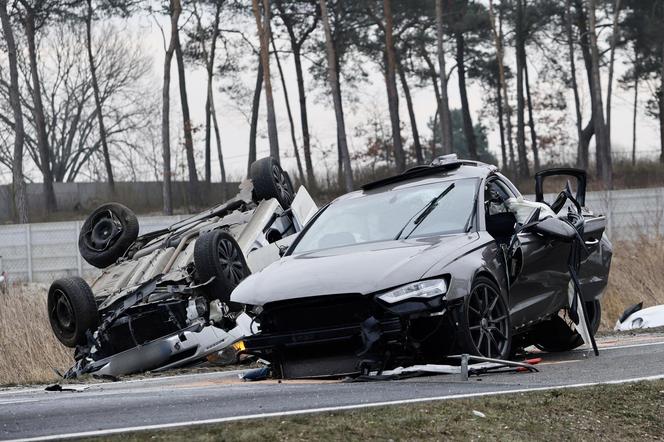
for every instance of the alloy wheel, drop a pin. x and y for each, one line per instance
(488, 321)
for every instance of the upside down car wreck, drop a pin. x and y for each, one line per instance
(442, 259)
(162, 299)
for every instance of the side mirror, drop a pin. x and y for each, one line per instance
(555, 228)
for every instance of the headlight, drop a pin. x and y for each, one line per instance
(421, 289)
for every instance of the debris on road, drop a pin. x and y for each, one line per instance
(636, 317)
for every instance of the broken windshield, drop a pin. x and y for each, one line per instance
(384, 216)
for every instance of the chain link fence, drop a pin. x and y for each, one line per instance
(46, 251)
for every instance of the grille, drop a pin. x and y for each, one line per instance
(315, 313)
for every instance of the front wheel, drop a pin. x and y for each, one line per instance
(483, 322)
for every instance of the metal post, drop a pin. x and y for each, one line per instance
(464, 367)
(28, 246)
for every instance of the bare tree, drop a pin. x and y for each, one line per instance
(520, 104)
(581, 156)
(263, 27)
(333, 78)
(392, 92)
(444, 105)
(296, 42)
(29, 18)
(255, 107)
(18, 183)
(614, 41)
(601, 137)
(174, 9)
(296, 150)
(95, 87)
(186, 120)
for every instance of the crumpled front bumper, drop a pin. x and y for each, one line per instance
(171, 351)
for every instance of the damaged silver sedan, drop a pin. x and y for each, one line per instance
(440, 260)
(162, 299)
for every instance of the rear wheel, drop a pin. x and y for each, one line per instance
(483, 322)
(217, 255)
(72, 310)
(270, 181)
(107, 234)
(556, 334)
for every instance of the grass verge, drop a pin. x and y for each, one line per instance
(613, 412)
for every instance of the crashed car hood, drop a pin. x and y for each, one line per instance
(360, 268)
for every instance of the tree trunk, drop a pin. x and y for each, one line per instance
(186, 120)
(210, 95)
(18, 184)
(255, 107)
(38, 114)
(95, 90)
(263, 26)
(391, 82)
(601, 139)
(296, 49)
(609, 87)
(289, 113)
(175, 10)
(468, 129)
(520, 104)
(444, 114)
(220, 155)
(501, 126)
(497, 32)
(584, 42)
(531, 120)
(436, 90)
(411, 115)
(581, 154)
(634, 115)
(333, 77)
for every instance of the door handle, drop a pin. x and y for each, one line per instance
(592, 242)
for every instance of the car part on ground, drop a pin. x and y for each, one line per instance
(636, 317)
(442, 259)
(164, 299)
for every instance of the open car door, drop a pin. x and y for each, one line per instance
(593, 274)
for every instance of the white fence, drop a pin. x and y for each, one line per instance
(46, 251)
(42, 252)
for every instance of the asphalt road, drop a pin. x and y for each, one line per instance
(217, 397)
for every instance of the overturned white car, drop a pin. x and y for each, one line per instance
(162, 299)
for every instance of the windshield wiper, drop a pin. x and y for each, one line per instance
(424, 212)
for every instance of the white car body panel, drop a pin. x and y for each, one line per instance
(646, 318)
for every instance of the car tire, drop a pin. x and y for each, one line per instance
(217, 255)
(483, 321)
(554, 335)
(72, 310)
(270, 181)
(107, 234)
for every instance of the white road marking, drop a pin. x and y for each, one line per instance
(327, 409)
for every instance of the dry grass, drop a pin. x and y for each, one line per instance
(30, 351)
(28, 348)
(637, 274)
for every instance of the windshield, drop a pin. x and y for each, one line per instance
(393, 214)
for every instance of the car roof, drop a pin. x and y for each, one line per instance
(433, 173)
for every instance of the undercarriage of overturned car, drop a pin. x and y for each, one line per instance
(441, 260)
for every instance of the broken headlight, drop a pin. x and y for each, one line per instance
(420, 289)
